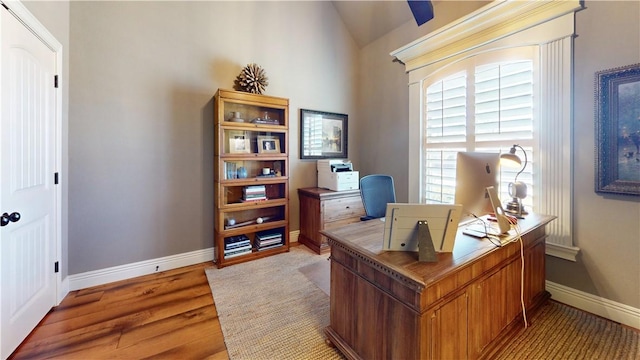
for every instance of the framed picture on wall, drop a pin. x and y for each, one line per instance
(323, 135)
(618, 130)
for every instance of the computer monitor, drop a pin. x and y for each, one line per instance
(401, 226)
(475, 171)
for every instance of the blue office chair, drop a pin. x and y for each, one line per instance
(376, 191)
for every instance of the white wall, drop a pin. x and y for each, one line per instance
(607, 228)
(143, 76)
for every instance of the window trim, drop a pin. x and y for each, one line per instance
(500, 25)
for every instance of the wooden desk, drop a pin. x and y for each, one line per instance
(387, 305)
(322, 209)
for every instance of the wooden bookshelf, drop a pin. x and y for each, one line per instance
(251, 179)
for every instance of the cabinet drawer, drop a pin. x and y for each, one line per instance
(336, 209)
(341, 222)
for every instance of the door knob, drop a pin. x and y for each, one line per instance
(14, 216)
(5, 219)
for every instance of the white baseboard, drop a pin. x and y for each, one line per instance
(127, 271)
(608, 309)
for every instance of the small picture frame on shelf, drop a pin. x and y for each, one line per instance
(268, 144)
(239, 144)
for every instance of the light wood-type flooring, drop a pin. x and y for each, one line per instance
(167, 315)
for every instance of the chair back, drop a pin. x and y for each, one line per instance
(377, 191)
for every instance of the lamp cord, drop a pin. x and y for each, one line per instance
(522, 273)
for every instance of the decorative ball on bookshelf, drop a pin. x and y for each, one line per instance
(252, 79)
(259, 220)
(231, 222)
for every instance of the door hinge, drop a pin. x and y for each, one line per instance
(56, 267)
(55, 81)
(55, 179)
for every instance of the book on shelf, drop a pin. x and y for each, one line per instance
(262, 244)
(237, 253)
(236, 241)
(254, 198)
(268, 239)
(266, 236)
(241, 249)
(262, 248)
(230, 170)
(266, 121)
(237, 245)
(254, 193)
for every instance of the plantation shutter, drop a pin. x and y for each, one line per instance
(500, 114)
(504, 102)
(446, 126)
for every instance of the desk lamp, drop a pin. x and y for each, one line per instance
(517, 189)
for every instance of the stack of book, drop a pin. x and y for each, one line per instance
(266, 121)
(236, 246)
(268, 240)
(254, 193)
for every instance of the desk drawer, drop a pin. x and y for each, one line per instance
(338, 209)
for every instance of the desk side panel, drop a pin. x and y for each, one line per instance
(342, 303)
(374, 324)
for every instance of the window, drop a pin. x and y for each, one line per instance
(546, 26)
(484, 107)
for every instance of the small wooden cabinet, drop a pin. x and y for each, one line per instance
(322, 209)
(251, 176)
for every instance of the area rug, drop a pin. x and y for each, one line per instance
(269, 309)
(562, 332)
(277, 308)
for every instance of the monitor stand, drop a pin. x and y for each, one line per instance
(426, 251)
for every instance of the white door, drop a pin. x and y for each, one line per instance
(27, 154)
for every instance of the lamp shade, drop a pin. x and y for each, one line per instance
(517, 189)
(511, 157)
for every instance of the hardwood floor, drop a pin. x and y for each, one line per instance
(167, 315)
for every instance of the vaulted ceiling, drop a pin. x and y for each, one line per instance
(369, 20)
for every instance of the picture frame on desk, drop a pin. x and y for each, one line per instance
(617, 93)
(323, 135)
